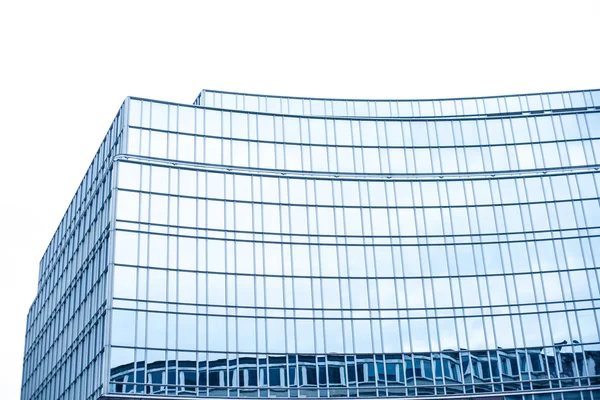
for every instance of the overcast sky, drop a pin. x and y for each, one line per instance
(65, 68)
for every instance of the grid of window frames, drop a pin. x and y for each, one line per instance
(64, 343)
(269, 255)
(346, 146)
(459, 107)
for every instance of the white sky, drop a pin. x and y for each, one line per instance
(65, 68)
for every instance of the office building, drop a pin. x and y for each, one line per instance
(264, 246)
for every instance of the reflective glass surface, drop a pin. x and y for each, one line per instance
(448, 108)
(229, 253)
(354, 146)
(274, 255)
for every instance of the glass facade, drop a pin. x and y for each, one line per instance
(215, 252)
(423, 108)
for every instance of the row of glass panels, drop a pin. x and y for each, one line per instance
(188, 183)
(158, 250)
(159, 116)
(223, 291)
(401, 108)
(251, 311)
(288, 239)
(355, 289)
(186, 331)
(394, 371)
(302, 220)
(366, 160)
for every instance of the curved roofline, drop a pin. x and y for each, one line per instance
(414, 99)
(470, 117)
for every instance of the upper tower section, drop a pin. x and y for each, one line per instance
(365, 146)
(406, 108)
